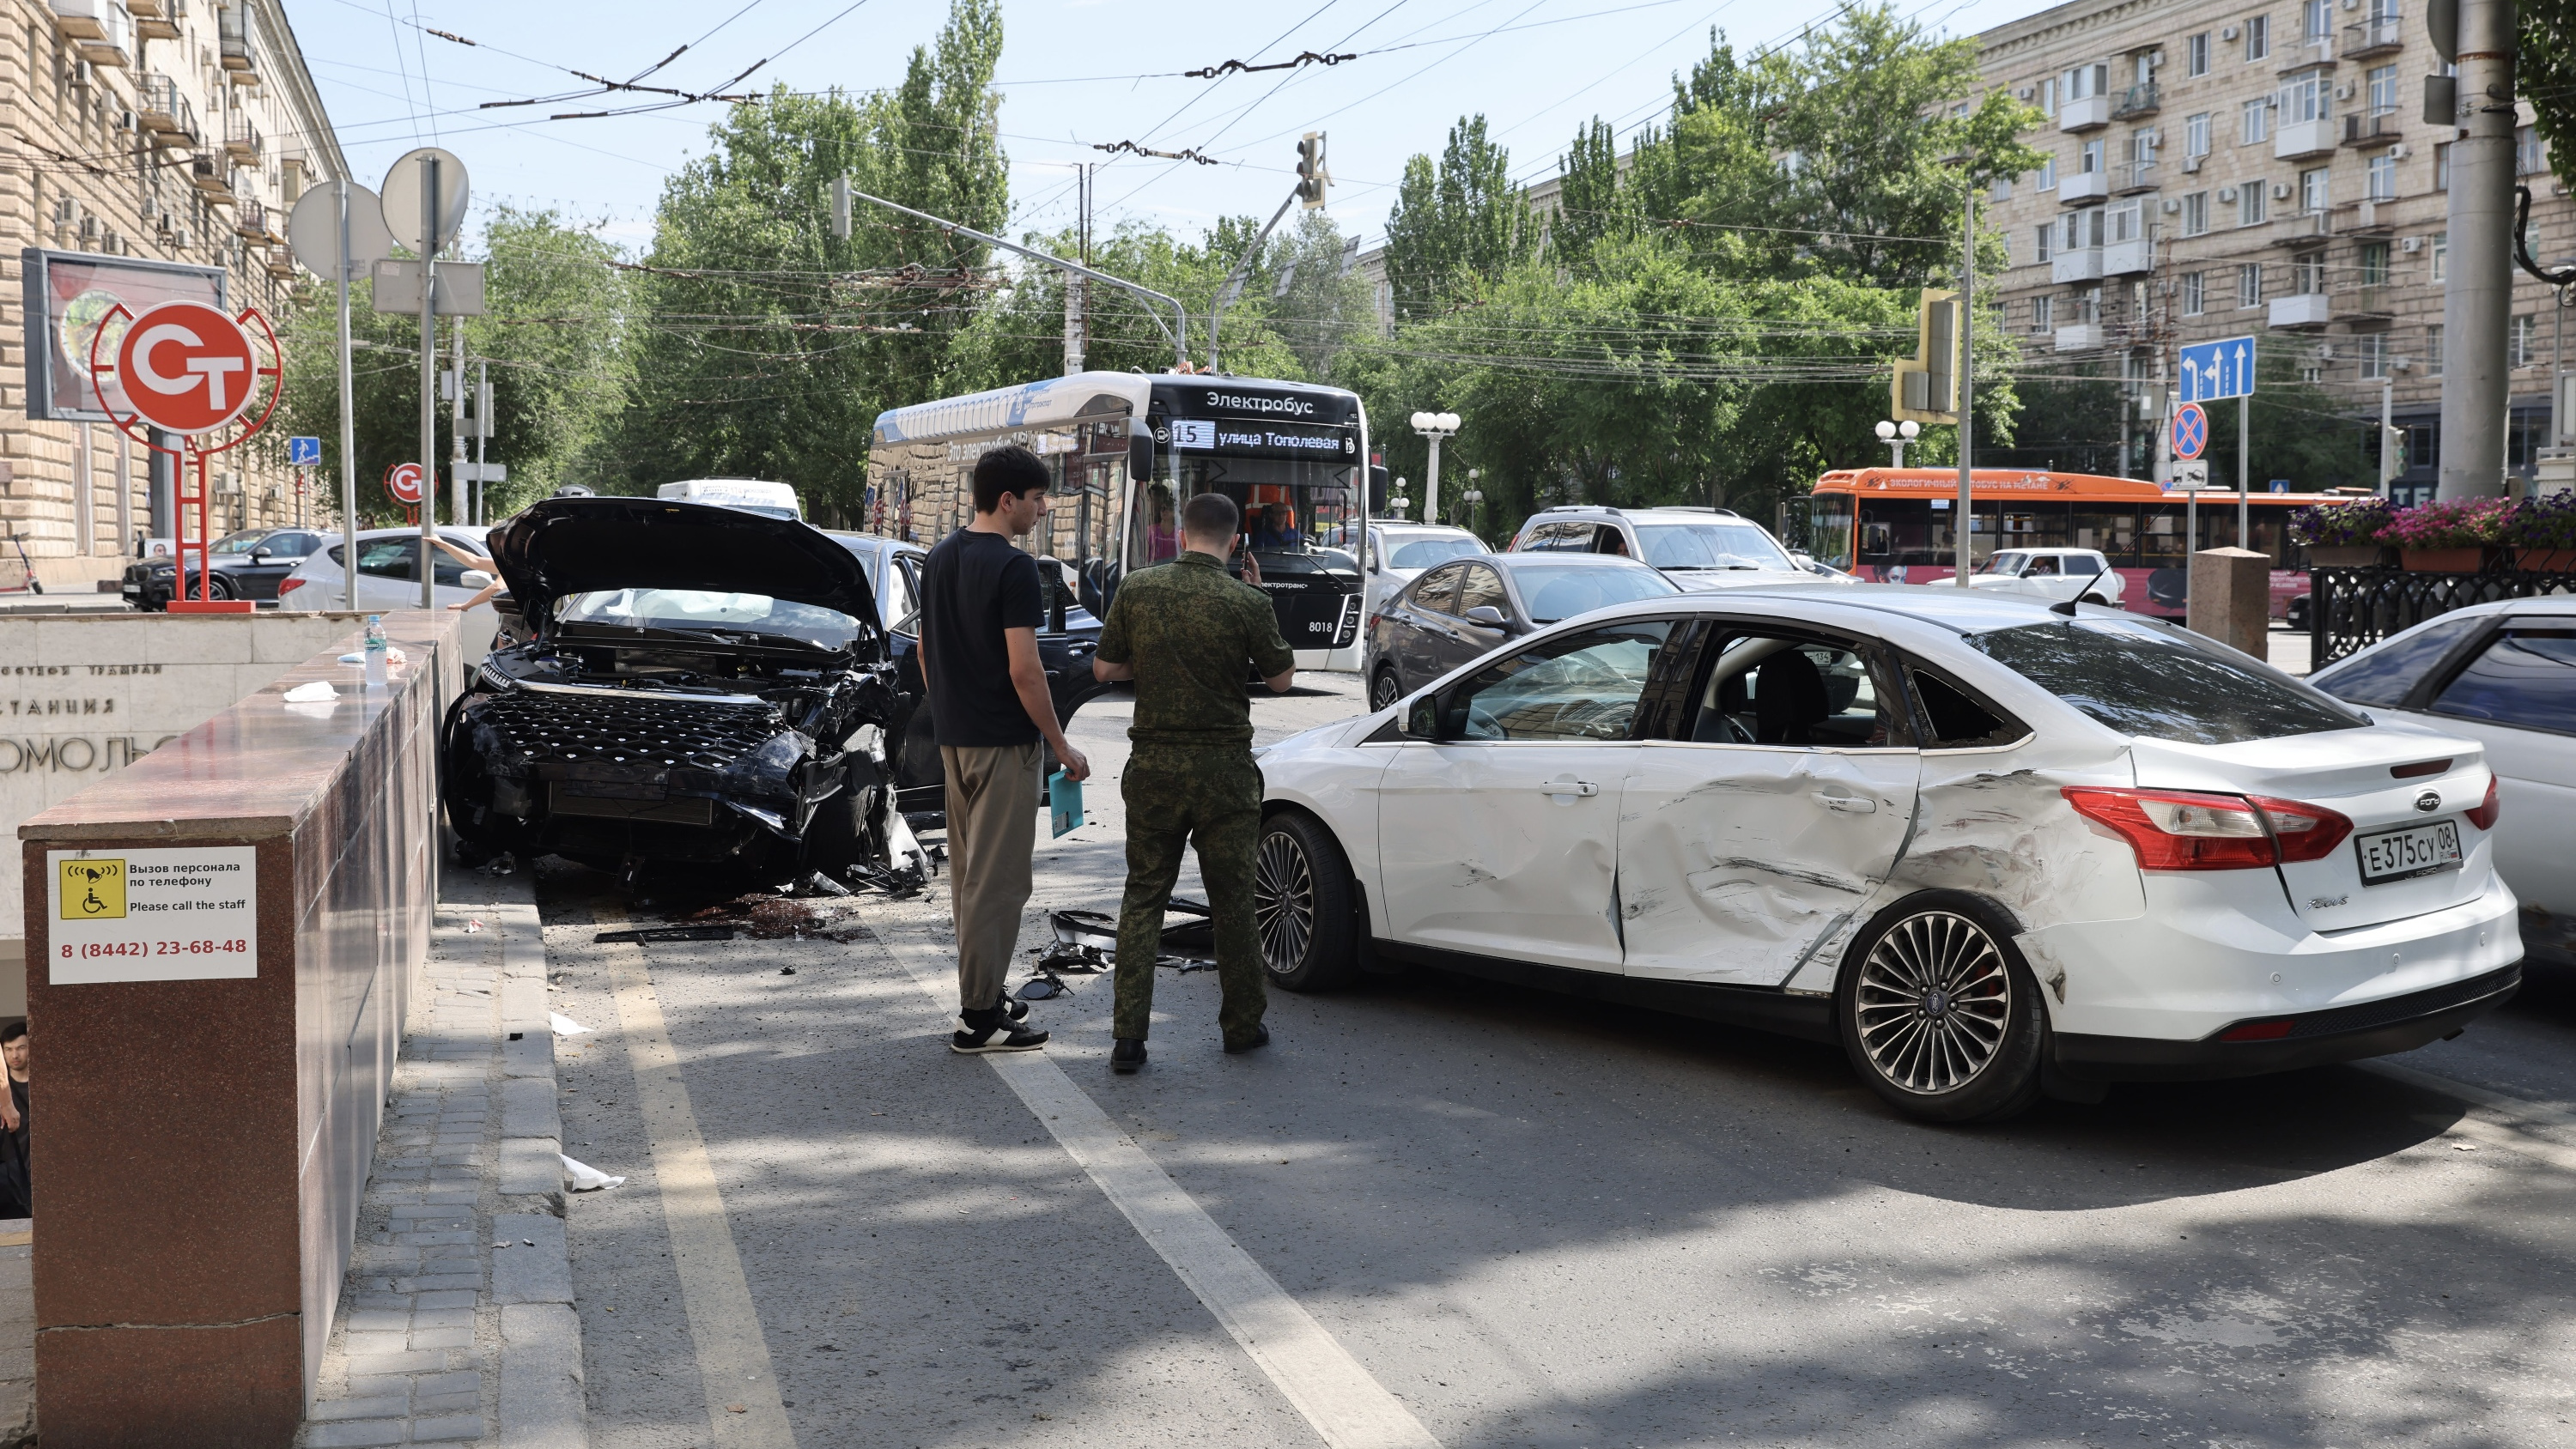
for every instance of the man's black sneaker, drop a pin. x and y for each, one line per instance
(1126, 1056)
(996, 1035)
(1260, 1038)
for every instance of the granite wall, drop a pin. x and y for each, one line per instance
(210, 1113)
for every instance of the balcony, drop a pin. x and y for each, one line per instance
(2137, 102)
(2128, 178)
(241, 138)
(2314, 52)
(160, 109)
(211, 174)
(2088, 114)
(2301, 309)
(2370, 306)
(251, 223)
(2301, 228)
(2128, 258)
(2371, 38)
(156, 19)
(2084, 188)
(2081, 264)
(232, 26)
(2379, 128)
(2080, 337)
(100, 30)
(2374, 217)
(2295, 139)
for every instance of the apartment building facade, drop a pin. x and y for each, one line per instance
(2221, 168)
(169, 130)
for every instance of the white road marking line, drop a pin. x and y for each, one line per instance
(724, 1326)
(1347, 1406)
(2493, 1134)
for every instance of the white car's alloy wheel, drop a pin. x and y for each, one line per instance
(1934, 1003)
(1283, 901)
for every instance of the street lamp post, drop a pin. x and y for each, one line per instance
(1397, 502)
(1897, 435)
(1474, 498)
(1434, 426)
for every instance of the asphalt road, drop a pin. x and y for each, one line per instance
(1534, 1222)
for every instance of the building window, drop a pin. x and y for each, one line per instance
(2089, 160)
(2125, 220)
(2194, 289)
(2374, 264)
(2195, 135)
(2374, 355)
(2423, 442)
(2441, 256)
(2249, 204)
(2256, 126)
(2258, 38)
(2048, 98)
(2316, 20)
(2308, 273)
(2441, 166)
(2195, 55)
(2195, 214)
(2087, 81)
(2303, 98)
(2528, 157)
(2312, 189)
(2083, 229)
(2088, 307)
(1999, 189)
(2382, 175)
(2518, 343)
(2046, 176)
(2383, 90)
(2042, 250)
(2433, 350)
(2043, 311)
(2249, 285)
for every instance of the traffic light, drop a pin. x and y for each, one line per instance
(1925, 388)
(1312, 178)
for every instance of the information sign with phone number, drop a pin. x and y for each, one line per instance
(152, 915)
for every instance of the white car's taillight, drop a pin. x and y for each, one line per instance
(2193, 830)
(288, 586)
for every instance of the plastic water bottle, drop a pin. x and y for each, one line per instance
(375, 651)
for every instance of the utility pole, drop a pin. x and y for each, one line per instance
(456, 509)
(482, 429)
(1076, 293)
(348, 414)
(1967, 379)
(1312, 182)
(2388, 434)
(2478, 301)
(428, 380)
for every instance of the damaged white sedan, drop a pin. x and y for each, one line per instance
(685, 686)
(1993, 847)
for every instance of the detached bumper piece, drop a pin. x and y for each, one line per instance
(2286, 1043)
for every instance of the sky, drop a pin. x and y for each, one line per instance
(1075, 75)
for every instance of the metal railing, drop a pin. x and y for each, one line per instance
(2138, 100)
(2369, 35)
(2350, 609)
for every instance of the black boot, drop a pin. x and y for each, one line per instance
(1127, 1055)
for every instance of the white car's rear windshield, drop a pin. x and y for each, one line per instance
(1710, 545)
(1423, 553)
(2143, 681)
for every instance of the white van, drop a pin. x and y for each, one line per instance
(776, 500)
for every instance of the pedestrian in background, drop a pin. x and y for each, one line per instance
(17, 1196)
(1190, 637)
(981, 605)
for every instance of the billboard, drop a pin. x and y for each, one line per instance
(67, 295)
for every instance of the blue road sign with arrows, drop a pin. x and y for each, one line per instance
(304, 452)
(2213, 370)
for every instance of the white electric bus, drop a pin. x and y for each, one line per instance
(1126, 449)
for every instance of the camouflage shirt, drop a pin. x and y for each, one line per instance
(1193, 635)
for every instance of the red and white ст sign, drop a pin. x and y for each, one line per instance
(186, 367)
(402, 480)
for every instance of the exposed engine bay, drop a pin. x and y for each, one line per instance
(699, 686)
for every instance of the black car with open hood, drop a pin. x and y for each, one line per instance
(688, 684)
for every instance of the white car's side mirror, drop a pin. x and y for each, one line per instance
(474, 579)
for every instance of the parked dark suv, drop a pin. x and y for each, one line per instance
(244, 565)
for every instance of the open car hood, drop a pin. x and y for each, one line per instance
(563, 546)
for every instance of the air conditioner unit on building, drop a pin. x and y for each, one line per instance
(2230, 33)
(2157, 60)
(2172, 206)
(2411, 244)
(2399, 152)
(2191, 165)
(2280, 191)
(2343, 92)
(2026, 92)
(2227, 195)
(2325, 352)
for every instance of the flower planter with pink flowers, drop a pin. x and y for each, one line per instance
(2443, 560)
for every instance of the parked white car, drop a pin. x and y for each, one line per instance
(2504, 675)
(1698, 548)
(389, 578)
(2051, 573)
(1990, 849)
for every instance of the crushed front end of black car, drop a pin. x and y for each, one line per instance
(691, 686)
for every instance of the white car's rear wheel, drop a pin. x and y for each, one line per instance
(1938, 1011)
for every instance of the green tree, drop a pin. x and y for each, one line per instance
(765, 346)
(1462, 218)
(554, 343)
(2545, 73)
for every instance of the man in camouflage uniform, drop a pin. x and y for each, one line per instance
(1187, 635)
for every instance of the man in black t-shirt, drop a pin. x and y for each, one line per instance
(980, 611)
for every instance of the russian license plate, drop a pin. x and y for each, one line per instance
(2388, 855)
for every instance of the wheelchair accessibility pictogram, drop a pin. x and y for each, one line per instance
(93, 890)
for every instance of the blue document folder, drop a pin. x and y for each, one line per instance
(1064, 802)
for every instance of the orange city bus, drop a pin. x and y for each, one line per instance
(1895, 525)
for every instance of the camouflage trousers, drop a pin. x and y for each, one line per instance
(1177, 797)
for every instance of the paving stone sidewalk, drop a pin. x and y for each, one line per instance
(456, 1323)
